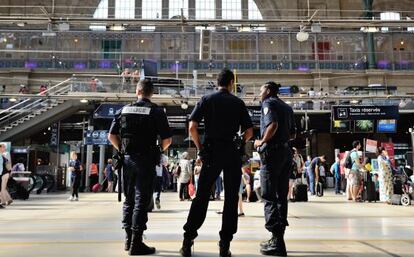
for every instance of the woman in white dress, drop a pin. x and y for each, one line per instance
(385, 176)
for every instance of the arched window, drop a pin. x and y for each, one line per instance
(231, 9)
(205, 9)
(152, 9)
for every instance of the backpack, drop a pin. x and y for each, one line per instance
(348, 161)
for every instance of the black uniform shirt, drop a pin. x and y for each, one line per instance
(159, 123)
(223, 115)
(275, 110)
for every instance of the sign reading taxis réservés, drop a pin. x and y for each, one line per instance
(364, 112)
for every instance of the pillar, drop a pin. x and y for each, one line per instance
(368, 14)
(138, 9)
(245, 9)
(191, 10)
(89, 157)
(101, 162)
(165, 9)
(111, 9)
(219, 10)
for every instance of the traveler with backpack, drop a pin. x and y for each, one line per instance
(354, 165)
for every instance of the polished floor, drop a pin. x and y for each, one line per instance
(50, 226)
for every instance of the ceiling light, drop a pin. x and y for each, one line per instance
(338, 43)
(402, 42)
(117, 28)
(4, 40)
(271, 42)
(184, 106)
(76, 40)
(21, 24)
(84, 101)
(354, 101)
(142, 41)
(369, 29)
(302, 36)
(12, 99)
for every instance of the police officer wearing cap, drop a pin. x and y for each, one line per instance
(134, 131)
(224, 116)
(277, 128)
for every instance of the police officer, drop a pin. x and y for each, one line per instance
(277, 128)
(134, 130)
(224, 115)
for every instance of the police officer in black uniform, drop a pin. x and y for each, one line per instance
(224, 115)
(135, 130)
(277, 128)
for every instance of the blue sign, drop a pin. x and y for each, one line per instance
(107, 111)
(96, 137)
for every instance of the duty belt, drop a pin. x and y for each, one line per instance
(278, 145)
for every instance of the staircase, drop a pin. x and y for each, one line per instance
(33, 115)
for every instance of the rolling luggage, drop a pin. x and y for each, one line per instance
(300, 193)
(396, 199)
(369, 194)
(319, 189)
(98, 186)
(17, 191)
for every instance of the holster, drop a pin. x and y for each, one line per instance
(117, 163)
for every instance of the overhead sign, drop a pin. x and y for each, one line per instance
(363, 112)
(107, 111)
(54, 135)
(96, 137)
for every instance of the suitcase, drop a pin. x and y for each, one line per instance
(300, 193)
(330, 182)
(17, 191)
(396, 199)
(369, 194)
(97, 187)
(319, 189)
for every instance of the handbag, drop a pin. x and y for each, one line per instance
(191, 189)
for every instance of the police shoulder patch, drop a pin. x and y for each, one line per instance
(265, 110)
(136, 110)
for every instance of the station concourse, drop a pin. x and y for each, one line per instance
(345, 68)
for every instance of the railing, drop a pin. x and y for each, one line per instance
(30, 105)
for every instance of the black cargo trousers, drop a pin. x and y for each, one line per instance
(224, 157)
(139, 175)
(275, 171)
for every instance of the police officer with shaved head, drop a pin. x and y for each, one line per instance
(224, 116)
(277, 128)
(134, 131)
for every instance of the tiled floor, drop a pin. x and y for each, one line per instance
(50, 226)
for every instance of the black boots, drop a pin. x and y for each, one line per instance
(128, 236)
(185, 250)
(138, 247)
(275, 246)
(224, 249)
